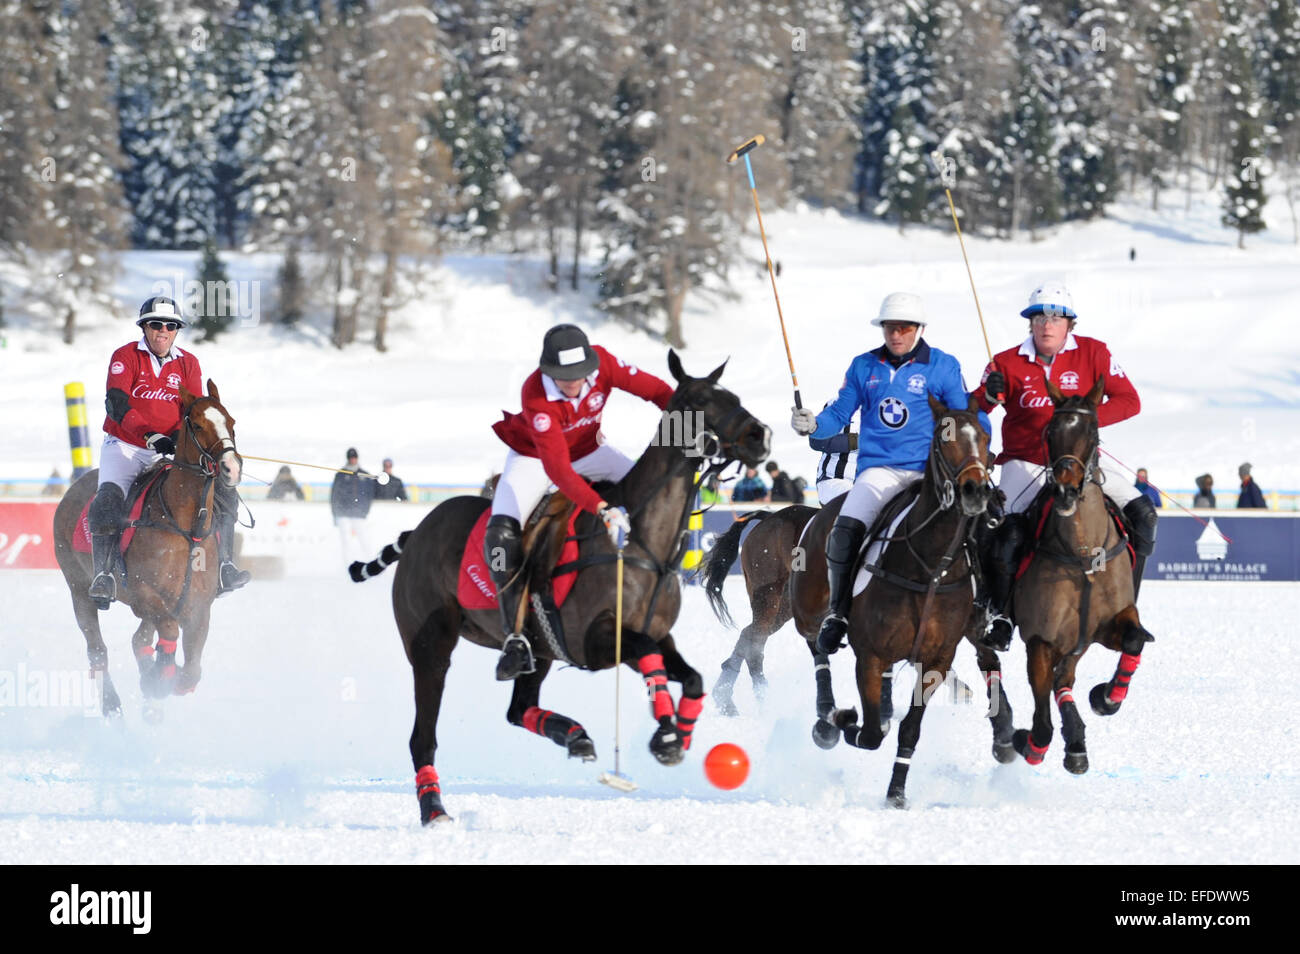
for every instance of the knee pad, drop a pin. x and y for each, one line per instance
(1141, 515)
(106, 510)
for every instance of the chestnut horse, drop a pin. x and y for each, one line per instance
(659, 493)
(919, 602)
(1078, 587)
(171, 573)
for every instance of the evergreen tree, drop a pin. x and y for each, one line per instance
(1244, 197)
(292, 291)
(215, 308)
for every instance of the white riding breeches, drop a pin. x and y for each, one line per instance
(120, 463)
(523, 480)
(832, 487)
(1021, 481)
(874, 487)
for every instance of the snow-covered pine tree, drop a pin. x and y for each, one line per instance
(1243, 183)
(1087, 149)
(213, 311)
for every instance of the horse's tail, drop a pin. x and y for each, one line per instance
(360, 572)
(718, 564)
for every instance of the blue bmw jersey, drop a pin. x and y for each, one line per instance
(896, 425)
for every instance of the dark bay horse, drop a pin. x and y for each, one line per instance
(659, 493)
(170, 578)
(919, 602)
(1078, 587)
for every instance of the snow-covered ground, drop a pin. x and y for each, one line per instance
(294, 749)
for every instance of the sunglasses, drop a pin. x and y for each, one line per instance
(1043, 320)
(162, 325)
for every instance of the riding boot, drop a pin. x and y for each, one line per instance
(1140, 515)
(229, 576)
(105, 519)
(842, 546)
(1004, 560)
(504, 552)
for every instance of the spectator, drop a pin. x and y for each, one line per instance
(749, 488)
(284, 485)
(394, 489)
(1143, 485)
(711, 492)
(782, 486)
(1204, 498)
(53, 485)
(350, 499)
(1251, 497)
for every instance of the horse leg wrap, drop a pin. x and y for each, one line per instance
(429, 792)
(1033, 752)
(545, 723)
(1128, 663)
(656, 681)
(822, 675)
(1064, 695)
(687, 712)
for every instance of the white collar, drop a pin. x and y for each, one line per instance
(1030, 352)
(171, 355)
(553, 392)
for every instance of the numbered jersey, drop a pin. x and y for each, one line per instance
(1075, 369)
(560, 430)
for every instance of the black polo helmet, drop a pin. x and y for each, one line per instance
(567, 355)
(162, 308)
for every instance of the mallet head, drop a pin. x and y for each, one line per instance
(746, 146)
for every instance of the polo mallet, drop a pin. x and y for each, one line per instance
(744, 149)
(377, 478)
(947, 169)
(617, 779)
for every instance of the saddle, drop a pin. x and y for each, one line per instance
(1038, 513)
(135, 501)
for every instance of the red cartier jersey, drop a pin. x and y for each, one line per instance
(560, 431)
(154, 390)
(1075, 369)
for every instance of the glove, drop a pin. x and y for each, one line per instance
(159, 443)
(616, 523)
(995, 387)
(803, 420)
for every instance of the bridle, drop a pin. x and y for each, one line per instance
(1088, 468)
(208, 456)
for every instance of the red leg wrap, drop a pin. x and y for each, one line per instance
(426, 780)
(991, 677)
(144, 651)
(535, 719)
(166, 645)
(169, 670)
(1063, 695)
(1128, 664)
(656, 680)
(1033, 753)
(688, 710)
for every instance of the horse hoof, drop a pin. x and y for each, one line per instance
(726, 707)
(1004, 752)
(581, 747)
(896, 800)
(1100, 704)
(825, 735)
(666, 747)
(1076, 763)
(437, 818)
(1020, 742)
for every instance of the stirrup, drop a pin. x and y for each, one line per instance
(997, 636)
(516, 658)
(103, 589)
(830, 638)
(232, 580)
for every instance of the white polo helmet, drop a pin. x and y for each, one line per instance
(901, 306)
(1051, 298)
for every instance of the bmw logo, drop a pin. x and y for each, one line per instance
(893, 412)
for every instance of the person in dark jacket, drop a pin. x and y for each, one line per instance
(782, 485)
(1204, 498)
(1144, 485)
(749, 488)
(394, 489)
(1251, 497)
(350, 499)
(284, 485)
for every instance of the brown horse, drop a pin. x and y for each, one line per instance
(919, 602)
(170, 577)
(1078, 587)
(659, 493)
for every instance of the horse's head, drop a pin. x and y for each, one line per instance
(1072, 438)
(959, 451)
(207, 438)
(712, 421)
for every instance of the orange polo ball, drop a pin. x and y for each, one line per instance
(726, 766)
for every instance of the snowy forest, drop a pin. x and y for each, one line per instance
(357, 139)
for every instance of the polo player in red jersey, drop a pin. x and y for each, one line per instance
(144, 411)
(556, 439)
(1017, 380)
